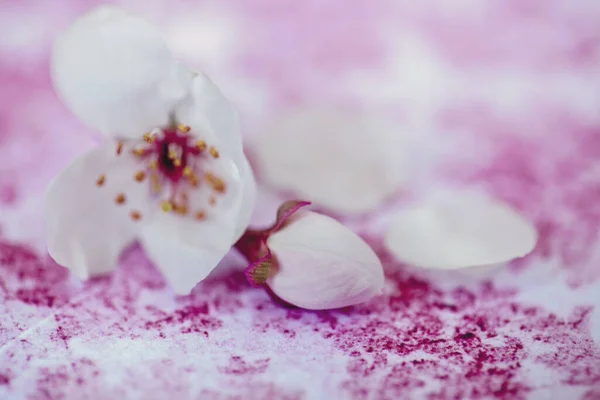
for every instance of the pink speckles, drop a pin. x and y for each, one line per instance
(513, 93)
(237, 366)
(60, 335)
(13, 254)
(477, 369)
(593, 394)
(63, 381)
(189, 319)
(471, 341)
(36, 296)
(576, 357)
(29, 279)
(418, 340)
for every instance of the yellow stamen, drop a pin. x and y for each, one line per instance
(139, 151)
(188, 171)
(140, 176)
(181, 209)
(194, 181)
(183, 128)
(149, 138)
(153, 164)
(172, 154)
(154, 178)
(135, 215)
(215, 182)
(120, 199)
(200, 215)
(166, 206)
(177, 162)
(214, 152)
(201, 145)
(101, 180)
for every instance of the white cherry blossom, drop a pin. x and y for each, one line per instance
(171, 172)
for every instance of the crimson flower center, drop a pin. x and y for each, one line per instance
(173, 150)
(177, 164)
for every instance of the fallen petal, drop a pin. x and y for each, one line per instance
(338, 160)
(459, 229)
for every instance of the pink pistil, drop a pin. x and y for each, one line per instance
(166, 165)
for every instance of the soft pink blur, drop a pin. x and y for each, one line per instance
(505, 92)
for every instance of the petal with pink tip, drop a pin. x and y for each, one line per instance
(321, 264)
(459, 229)
(286, 211)
(116, 74)
(86, 228)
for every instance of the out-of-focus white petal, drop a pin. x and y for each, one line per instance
(321, 264)
(116, 74)
(86, 229)
(338, 160)
(459, 229)
(185, 249)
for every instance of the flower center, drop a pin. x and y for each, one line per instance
(176, 162)
(173, 151)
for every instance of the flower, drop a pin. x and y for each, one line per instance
(311, 260)
(171, 171)
(453, 229)
(341, 161)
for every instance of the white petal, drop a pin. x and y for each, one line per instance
(459, 229)
(322, 264)
(341, 161)
(116, 74)
(187, 250)
(183, 259)
(210, 114)
(86, 229)
(209, 107)
(247, 200)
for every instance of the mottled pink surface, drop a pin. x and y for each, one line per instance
(506, 95)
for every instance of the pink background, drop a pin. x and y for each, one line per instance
(506, 94)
